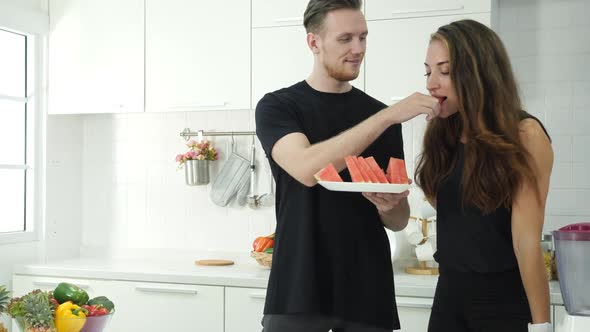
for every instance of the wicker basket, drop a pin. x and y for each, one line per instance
(262, 258)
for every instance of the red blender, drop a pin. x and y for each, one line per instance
(572, 250)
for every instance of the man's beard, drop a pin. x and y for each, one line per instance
(340, 73)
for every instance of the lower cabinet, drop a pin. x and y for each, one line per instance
(166, 307)
(243, 309)
(414, 313)
(142, 306)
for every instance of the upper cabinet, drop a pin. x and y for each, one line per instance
(183, 55)
(272, 13)
(280, 58)
(394, 65)
(387, 9)
(197, 55)
(96, 56)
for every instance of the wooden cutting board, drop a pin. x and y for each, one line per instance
(214, 262)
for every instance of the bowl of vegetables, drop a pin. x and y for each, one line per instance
(263, 248)
(68, 308)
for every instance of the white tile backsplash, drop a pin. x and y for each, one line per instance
(546, 41)
(133, 183)
(581, 148)
(561, 177)
(582, 94)
(568, 202)
(581, 175)
(562, 148)
(559, 96)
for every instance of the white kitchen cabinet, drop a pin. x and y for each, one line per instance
(414, 313)
(96, 56)
(272, 13)
(142, 306)
(394, 63)
(387, 9)
(197, 55)
(165, 307)
(280, 58)
(244, 309)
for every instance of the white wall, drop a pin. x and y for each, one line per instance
(63, 220)
(133, 197)
(548, 44)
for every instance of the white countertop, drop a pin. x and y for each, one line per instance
(177, 269)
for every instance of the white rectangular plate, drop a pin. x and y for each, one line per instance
(365, 187)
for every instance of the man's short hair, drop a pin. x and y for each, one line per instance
(318, 9)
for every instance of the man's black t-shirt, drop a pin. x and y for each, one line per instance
(331, 254)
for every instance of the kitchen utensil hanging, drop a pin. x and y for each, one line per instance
(232, 176)
(253, 202)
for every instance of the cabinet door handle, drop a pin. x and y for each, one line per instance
(288, 19)
(151, 289)
(184, 106)
(414, 305)
(420, 303)
(54, 284)
(418, 11)
(257, 296)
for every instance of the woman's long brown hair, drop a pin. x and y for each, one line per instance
(489, 108)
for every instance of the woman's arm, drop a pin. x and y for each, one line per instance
(528, 214)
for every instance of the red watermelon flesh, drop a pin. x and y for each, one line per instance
(328, 173)
(365, 167)
(376, 170)
(353, 169)
(396, 171)
(364, 174)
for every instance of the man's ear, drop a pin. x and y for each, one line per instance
(313, 42)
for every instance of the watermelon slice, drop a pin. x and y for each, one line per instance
(353, 169)
(364, 174)
(376, 170)
(328, 173)
(365, 168)
(396, 171)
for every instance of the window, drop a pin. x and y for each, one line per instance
(18, 129)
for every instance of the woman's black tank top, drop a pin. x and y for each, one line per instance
(467, 239)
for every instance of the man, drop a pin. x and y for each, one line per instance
(332, 262)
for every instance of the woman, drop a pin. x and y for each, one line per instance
(485, 166)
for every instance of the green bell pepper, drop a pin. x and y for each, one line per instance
(65, 292)
(103, 301)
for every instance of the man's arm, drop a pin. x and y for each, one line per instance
(302, 160)
(393, 209)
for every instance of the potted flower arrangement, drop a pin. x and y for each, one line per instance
(196, 161)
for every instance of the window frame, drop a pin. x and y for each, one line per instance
(35, 102)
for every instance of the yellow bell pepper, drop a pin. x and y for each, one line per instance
(69, 317)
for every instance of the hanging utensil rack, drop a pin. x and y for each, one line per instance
(187, 133)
